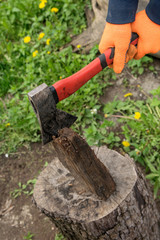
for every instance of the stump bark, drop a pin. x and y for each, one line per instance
(128, 214)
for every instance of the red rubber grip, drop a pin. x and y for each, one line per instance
(66, 87)
(69, 85)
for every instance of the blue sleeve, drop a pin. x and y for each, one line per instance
(153, 10)
(122, 11)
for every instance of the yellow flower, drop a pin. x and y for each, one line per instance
(105, 115)
(45, 1)
(60, 77)
(137, 152)
(54, 10)
(128, 94)
(137, 115)
(27, 39)
(41, 35)
(126, 144)
(8, 124)
(79, 46)
(48, 41)
(48, 52)
(42, 5)
(138, 85)
(34, 54)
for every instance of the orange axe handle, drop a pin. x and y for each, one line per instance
(67, 86)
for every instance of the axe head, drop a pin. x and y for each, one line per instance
(50, 119)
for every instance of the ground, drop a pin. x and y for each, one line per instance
(18, 216)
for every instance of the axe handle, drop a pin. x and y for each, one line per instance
(66, 87)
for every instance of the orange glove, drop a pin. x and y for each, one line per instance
(118, 36)
(149, 35)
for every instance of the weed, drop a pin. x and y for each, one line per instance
(59, 237)
(29, 236)
(137, 66)
(26, 189)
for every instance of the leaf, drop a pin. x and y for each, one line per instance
(156, 187)
(140, 70)
(155, 102)
(152, 175)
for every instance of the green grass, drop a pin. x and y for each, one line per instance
(135, 130)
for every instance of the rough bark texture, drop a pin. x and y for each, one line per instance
(96, 21)
(81, 161)
(129, 214)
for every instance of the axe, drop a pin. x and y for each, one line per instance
(44, 98)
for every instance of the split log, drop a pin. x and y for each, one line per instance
(81, 161)
(128, 214)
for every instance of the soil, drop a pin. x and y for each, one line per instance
(18, 216)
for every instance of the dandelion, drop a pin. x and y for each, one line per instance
(8, 124)
(42, 5)
(60, 77)
(137, 115)
(55, 10)
(48, 41)
(34, 54)
(27, 39)
(128, 94)
(105, 115)
(138, 86)
(48, 52)
(137, 152)
(126, 143)
(41, 35)
(45, 1)
(78, 46)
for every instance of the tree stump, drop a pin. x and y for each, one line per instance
(128, 214)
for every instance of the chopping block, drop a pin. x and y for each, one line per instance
(95, 194)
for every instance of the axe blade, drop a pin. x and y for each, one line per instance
(50, 118)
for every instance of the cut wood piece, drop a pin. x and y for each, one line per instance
(129, 214)
(76, 155)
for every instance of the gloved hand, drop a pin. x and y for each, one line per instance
(118, 36)
(149, 35)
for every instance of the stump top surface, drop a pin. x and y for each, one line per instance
(57, 192)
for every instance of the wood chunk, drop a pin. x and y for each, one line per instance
(76, 155)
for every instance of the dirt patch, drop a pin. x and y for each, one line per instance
(20, 216)
(126, 83)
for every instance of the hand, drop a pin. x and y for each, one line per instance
(149, 35)
(118, 36)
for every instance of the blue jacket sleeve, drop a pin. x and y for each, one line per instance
(153, 11)
(122, 11)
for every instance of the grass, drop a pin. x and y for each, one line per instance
(25, 65)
